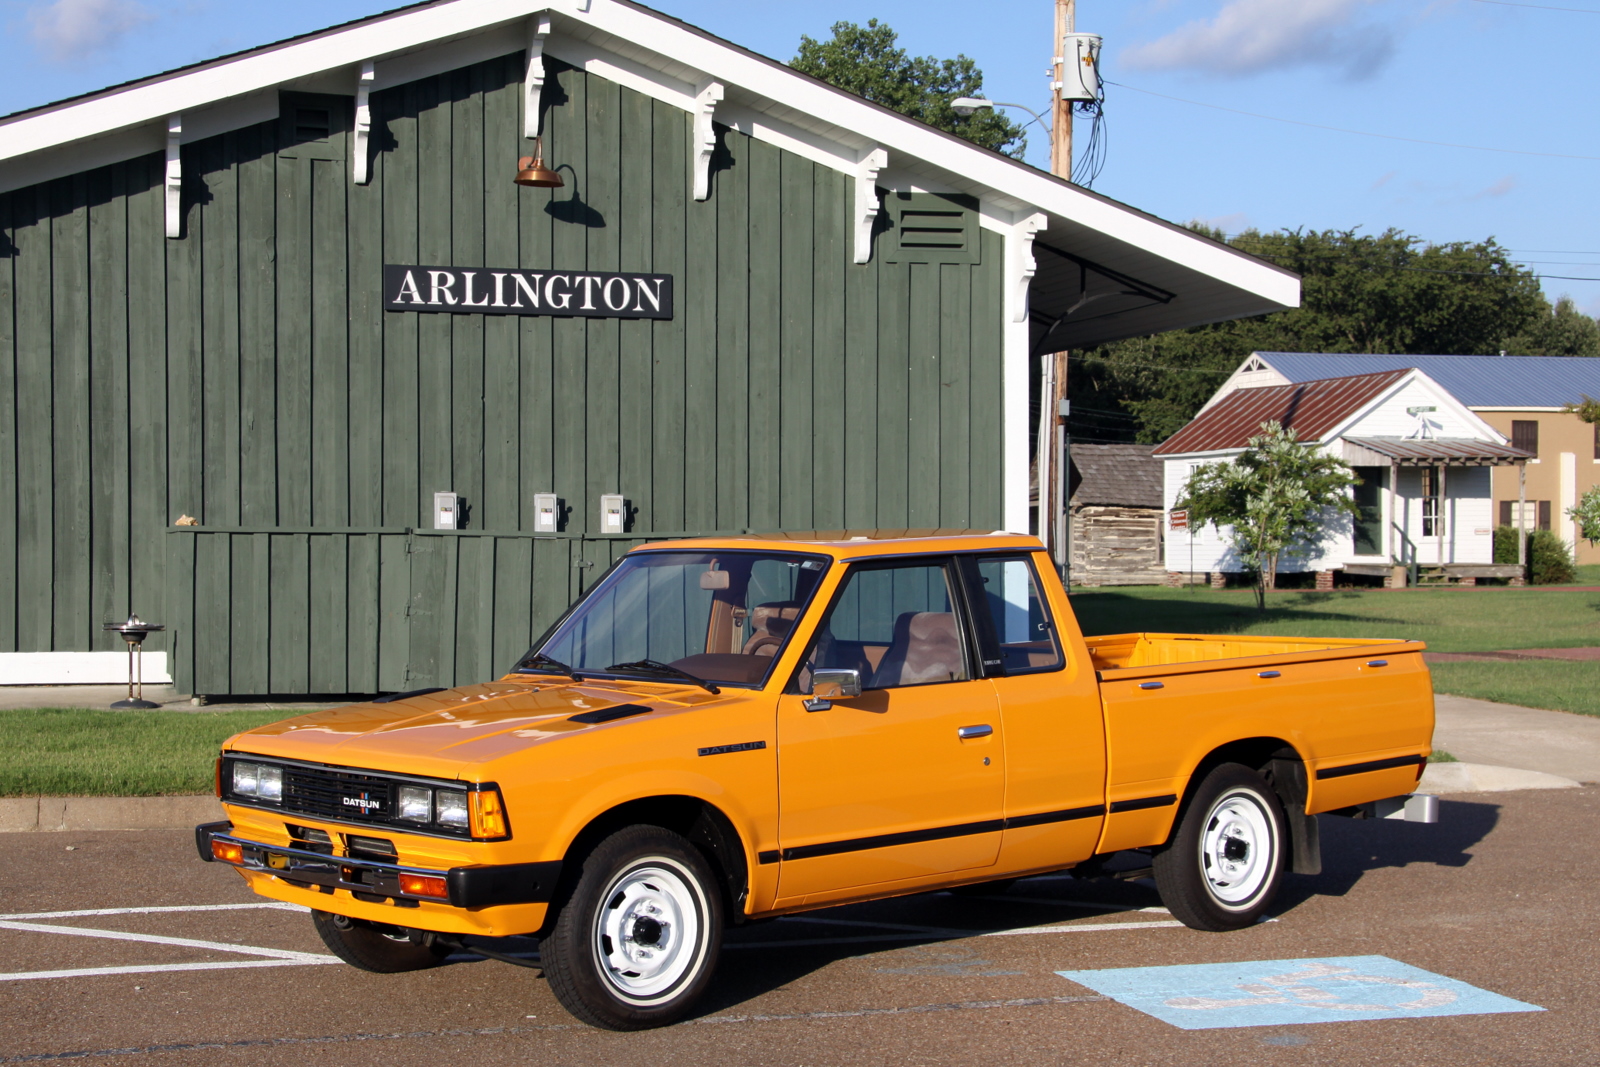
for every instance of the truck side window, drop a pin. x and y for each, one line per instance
(897, 625)
(1022, 622)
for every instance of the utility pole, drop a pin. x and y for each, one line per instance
(1055, 522)
(1061, 110)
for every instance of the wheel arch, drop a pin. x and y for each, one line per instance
(1284, 769)
(704, 824)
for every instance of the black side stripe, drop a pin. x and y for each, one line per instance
(935, 833)
(1370, 765)
(1093, 811)
(1143, 802)
(770, 856)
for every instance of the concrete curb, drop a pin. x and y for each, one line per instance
(1482, 778)
(23, 814)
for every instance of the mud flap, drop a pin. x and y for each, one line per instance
(1288, 777)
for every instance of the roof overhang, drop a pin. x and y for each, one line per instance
(1102, 270)
(1430, 452)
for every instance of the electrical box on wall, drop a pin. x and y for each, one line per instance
(613, 513)
(1080, 67)
(446, 511)
(546, 513)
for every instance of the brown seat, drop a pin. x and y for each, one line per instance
(771, 623)
(926, 648)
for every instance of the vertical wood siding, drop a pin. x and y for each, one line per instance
(247, 375)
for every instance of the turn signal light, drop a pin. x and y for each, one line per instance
(488, 813)
(227, 851)
(419, 885)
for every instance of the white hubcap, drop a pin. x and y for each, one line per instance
(1238, 850)
(648, 932)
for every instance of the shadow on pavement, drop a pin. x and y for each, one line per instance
(1352, 847)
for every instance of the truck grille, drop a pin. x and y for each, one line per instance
(325, 793)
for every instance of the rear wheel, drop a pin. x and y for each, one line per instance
(377, 947)
(1223, 867)
(637, 941)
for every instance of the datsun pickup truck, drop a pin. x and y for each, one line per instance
(729, 729)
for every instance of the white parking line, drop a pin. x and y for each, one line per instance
(156, 968)
(276, 905)
(157, 939)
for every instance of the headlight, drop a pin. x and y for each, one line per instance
(416, 803)
(264, 781)
(452, 808)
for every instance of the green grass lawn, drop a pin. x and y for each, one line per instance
(1448, 619)
(81, 752)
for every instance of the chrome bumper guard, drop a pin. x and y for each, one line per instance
(469, 887)
(1413, 807)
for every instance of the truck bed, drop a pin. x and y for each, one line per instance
(1120, 652)
(1342, 704)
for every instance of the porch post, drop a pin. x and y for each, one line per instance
(1522, 513)
(1439, 512)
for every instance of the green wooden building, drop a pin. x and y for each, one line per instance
(755, 303)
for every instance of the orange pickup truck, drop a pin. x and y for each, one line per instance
(730, 729)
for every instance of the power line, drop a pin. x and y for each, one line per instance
(1358, 133)
(1539, 7)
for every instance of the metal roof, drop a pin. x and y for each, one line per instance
(1476, 381)
(1116, 475)
(1425, 452)
(1311, 409)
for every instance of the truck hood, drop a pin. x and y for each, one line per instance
(446, 734)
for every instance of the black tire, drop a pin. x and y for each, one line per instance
(1223, 867)
(636, 942)
(376, 947)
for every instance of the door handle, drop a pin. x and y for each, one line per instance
(967, 733)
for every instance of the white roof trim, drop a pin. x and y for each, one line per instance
(845, 124)
(1443, 395)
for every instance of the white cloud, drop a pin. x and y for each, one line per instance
(1384, 180)
(1499, 188)
(1232, 223)
(1251, 36)
(70, 29)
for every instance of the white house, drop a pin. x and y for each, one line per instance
(1423, 457)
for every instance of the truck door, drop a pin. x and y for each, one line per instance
(1035, 656)
(908, 780)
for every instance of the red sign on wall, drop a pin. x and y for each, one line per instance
(1178, 519)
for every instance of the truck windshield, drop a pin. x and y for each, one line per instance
(722, 616)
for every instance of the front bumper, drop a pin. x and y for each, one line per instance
(374, 880)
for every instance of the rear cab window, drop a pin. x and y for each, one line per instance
(1021, 635)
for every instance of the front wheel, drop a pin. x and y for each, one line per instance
(1224, 865)
(636, 943)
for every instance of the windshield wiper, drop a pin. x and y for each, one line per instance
(540, 661)
(655, 666)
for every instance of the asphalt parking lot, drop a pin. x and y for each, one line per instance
(123, 948)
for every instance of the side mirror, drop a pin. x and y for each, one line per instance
(830, 684)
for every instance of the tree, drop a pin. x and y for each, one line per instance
(1277, 493)
(1389, 292)
(1587, 514)
(865, 60)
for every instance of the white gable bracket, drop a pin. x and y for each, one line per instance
(706, 98)
(361, 142)
(174, 181)
(1020, 265)
(867, 200)
(533, 79)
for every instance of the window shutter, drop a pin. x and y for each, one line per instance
(1544, 514)
(1505, 513)
(1525, 435)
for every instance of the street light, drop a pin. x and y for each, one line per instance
(966, 105)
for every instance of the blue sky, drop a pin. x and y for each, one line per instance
(1514, 75)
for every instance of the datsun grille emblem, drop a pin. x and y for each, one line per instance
(366, 802)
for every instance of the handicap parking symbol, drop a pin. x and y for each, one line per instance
(1212, 996)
